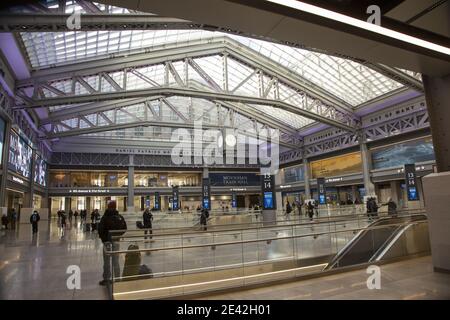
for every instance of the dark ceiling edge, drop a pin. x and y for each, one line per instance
(332, 24)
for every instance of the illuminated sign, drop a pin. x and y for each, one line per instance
(175, 199)
(89, 191)
(233, 200)
(411, 185)
(268, 192)
(157, 201)
(18, 180)
(206, 194)
(322, 192)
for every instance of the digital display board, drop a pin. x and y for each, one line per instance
(337, 166)
(206, 194)
(321, 189)
(2, 138)
(234, 179)
(20, 154)
(40, 171)
(175, 198)
(157, 201)
(233, 200)
(397, 155)
(268, 192)
(411, 185)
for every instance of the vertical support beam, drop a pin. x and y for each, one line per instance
(5, 155)
(436, 186)
(260, 83)
(225, 71)
(130, 198)
(279, 196)
(437, 95)
(186, 72)
(166, 74)
(306, 174)
(366, 164)
(29, 204)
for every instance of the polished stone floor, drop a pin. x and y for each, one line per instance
(406, 280)
(35, 267)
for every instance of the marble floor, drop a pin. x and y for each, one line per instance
(35, 267)
(406, 280)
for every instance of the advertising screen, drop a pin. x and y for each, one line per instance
(2, 138)
(337, 166)
(294, 174)
(19, 156)
(268, 200)
(406, 152)
(40, 171)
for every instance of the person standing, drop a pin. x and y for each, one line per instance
(5, 221)
(310, 210)
(392, 207)
(288, 208)
(70, 216)
(204, 219)
(13, 218)
(147, 217)
(34, 220)
(111, 220)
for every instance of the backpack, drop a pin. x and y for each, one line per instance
(118, 223)
(132, 262)
(34, 218)
(139, 225)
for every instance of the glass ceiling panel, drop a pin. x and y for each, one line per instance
(345, 79)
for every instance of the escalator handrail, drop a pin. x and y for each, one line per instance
(358, 236)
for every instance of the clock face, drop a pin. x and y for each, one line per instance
(230, 140)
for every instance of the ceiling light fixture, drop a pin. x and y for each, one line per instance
(294, 4)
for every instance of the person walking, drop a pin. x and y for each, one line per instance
(34, 220)
(111, 220)
(147, 217)
(70, 216)
(310, 210)
(63, 220)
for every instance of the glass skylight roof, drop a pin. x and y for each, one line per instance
(343, 79)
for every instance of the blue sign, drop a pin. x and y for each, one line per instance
(321, 190)
(410, 180)
(268, 200)
(234, 179)
(234, 200)
(206, 195)
(175, 199)
(157, 201)
(412, 194)
(268, 192)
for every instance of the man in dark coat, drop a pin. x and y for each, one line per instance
(34, 220)
(111, 220)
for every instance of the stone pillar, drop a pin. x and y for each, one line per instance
(436, 186)
(354, 191)
(5, 155)
(67, 204)
(130, 198)
(278, 195)
(88, 204)
(306, 174)
(366, 165)
(395, 191)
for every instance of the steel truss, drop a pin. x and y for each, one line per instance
(407, 123)
(86, 82)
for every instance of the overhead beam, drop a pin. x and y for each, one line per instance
(168, 91)
(57, 22)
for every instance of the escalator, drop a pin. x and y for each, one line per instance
(375, 242)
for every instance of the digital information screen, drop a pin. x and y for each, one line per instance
(147, 202)
(20, 154)
(410, 179)
(321, 189)
(2, 138)
(40, 171)
(268, 192)
(206, 194)
(175, 199)
(233, 200)
(157, 201)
